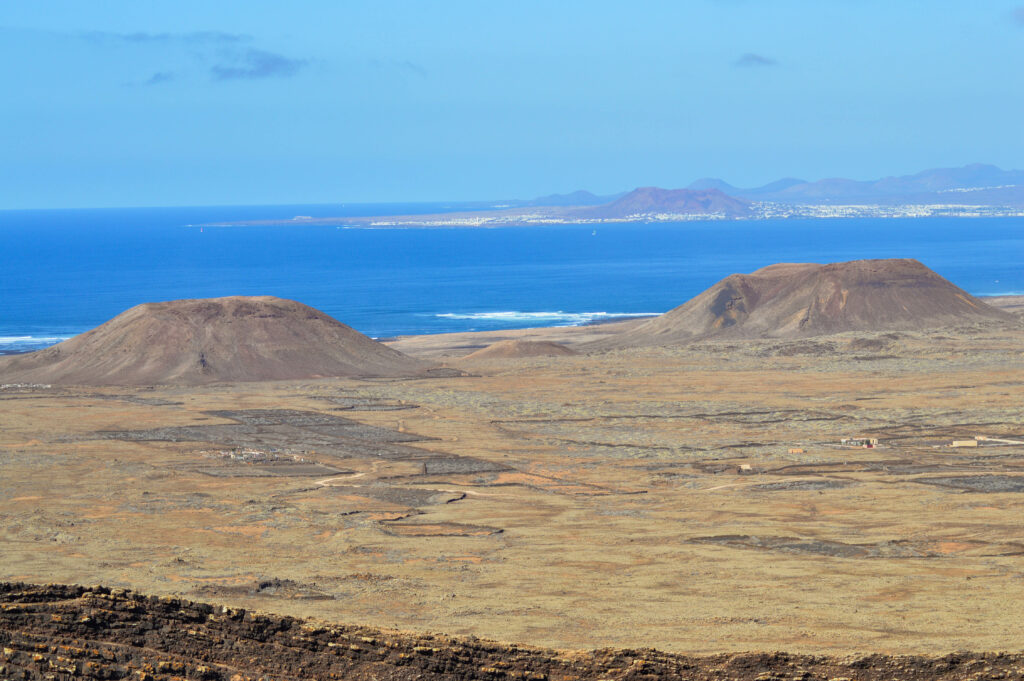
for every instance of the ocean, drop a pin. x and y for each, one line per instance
(64, 272)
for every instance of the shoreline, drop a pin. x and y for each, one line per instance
(561, 216)
(1010, 303)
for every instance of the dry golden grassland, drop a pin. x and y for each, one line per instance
(631, 498)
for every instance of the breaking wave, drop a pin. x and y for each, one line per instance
(558, 318)
(27, 343)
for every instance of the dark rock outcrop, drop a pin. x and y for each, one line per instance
(71, 632)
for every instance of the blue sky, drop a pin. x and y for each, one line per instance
(200, 103)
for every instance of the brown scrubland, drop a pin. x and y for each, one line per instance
(690, 496)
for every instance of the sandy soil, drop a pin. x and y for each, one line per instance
(693, 499)
(1008, 303)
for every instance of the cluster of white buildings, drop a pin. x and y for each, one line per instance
(767, 210)
(764, 210)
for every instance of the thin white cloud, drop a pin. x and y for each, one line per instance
(751, 59)
(256, 64)
(159, 78)
(143, 38)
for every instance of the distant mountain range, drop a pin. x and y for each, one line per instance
(976, 190)
(580, 197)
(976, 184)
(650, 201)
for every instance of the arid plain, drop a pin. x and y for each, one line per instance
(689, 498)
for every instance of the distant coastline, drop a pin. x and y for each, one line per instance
(973, 191)
(535, 218)
(386, 282)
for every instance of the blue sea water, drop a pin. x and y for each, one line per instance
(64, 272)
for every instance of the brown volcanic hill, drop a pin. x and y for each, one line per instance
(511, 349)
(653, 200)
(210, 340)
(806, 299)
